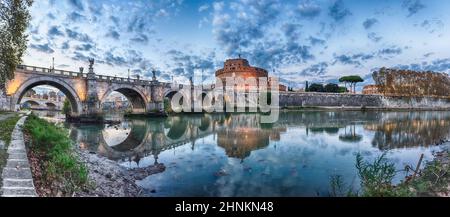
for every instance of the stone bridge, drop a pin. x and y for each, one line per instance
(87, 91)
(39, 103)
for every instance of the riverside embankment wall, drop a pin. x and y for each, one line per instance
(360, 100)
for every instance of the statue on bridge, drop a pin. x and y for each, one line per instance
(91, 63)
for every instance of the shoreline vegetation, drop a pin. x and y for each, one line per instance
(62, 170)
(376, 179)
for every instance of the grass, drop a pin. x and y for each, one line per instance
(58, 162)
(377, 176)
(6, 128)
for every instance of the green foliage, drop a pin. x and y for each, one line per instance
(167, 106)
(14, 19)
(67, 109)
(376, 178)
(331, 88)
(6, 128)
(315, 88)
(328, 88)
(352, 79)
(59, 161)
(339, 188)
(342, 90)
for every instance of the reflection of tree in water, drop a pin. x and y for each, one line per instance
(404, 130)
(350, 134)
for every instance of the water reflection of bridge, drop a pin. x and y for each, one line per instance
(241, 134)
(237, 134)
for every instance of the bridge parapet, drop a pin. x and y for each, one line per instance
(36, 69)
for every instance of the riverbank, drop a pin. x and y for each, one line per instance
(61, 170)
(112, 180)
(376, 178)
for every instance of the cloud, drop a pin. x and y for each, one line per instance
(316, 69)
(162, 13)
(65, 45)
(308, 10)
(140, 38)
(79, 56)
(113, 34)
(51, 16)
(78, 36)
(84, 47)
(291, 31)
(437, 65)
(390, 51)
(137, 24)
(354, 59)
(368, 23)
(247, 26)
(186, 64)
(338, 12)
(374, 37)
(112, 59)
(413, 6)
(203, 8)
(346, 60)
(316, 41)
(77, 4)
(54, 31)
(428, 54)
(76, 17)
(45, 48)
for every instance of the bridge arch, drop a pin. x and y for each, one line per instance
(134, 95)
(51, 105)
(63, 86)
(31, 103)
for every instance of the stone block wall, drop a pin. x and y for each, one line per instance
(360, 100)
(329, 100)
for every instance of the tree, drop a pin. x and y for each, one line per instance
(316, 88)
(67, 109)
(342, 90)
(331, 88)
(352, 79)
(14, 20)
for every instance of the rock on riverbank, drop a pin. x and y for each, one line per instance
(109, 179)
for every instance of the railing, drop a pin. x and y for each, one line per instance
(73, 74)
(106, 78)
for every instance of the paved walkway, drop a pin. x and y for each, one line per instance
(17, 178)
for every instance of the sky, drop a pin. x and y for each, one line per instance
(295, 40)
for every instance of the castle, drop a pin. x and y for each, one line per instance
(240, 68)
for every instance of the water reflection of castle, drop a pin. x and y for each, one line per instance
(241, 134)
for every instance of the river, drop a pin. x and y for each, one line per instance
(235, 155)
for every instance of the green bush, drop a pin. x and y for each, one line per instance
(59, 161)
(376, 178)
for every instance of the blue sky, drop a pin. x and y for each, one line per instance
(296, 40)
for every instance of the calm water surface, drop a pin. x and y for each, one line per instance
(235, 155)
